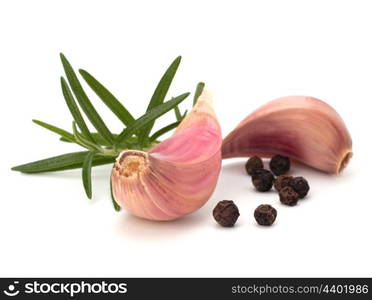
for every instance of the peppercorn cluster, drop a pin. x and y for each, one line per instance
(289, 188)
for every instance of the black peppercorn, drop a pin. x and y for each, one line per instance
(288, 196)
(226, 213)
(300, 185)
(262, 180)
(258, 172)
(282, 181)
(265, 214)
(279, 165)
(253, 164)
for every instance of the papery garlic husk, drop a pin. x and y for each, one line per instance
(303, 128)
(177, 176)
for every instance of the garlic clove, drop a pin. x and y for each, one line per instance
(305, 129)
(177, 176)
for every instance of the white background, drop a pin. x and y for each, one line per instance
(248, 52)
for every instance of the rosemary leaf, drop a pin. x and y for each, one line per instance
(63, 133)
(62, 139)
(159, 95)
(74, 109)
(149, 116)
(116, 206)
(178, 113)
(130, 142)
(67, 161)
(87, 173)
(83, 141)
(184, 114)
(96, 136)
(164, 130)
(108, 98)
(198, 91)
(84, 102)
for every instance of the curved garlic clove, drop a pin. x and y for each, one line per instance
(303, 128)
(177, 176)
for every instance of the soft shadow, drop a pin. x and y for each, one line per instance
(217, 226)
(141, 229)
(263, 227)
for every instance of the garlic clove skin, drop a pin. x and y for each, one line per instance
(303, 128)
(177, 176)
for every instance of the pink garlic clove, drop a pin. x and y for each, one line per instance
(177, 176)
(305, 129)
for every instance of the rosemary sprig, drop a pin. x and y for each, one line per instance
(103, 146)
